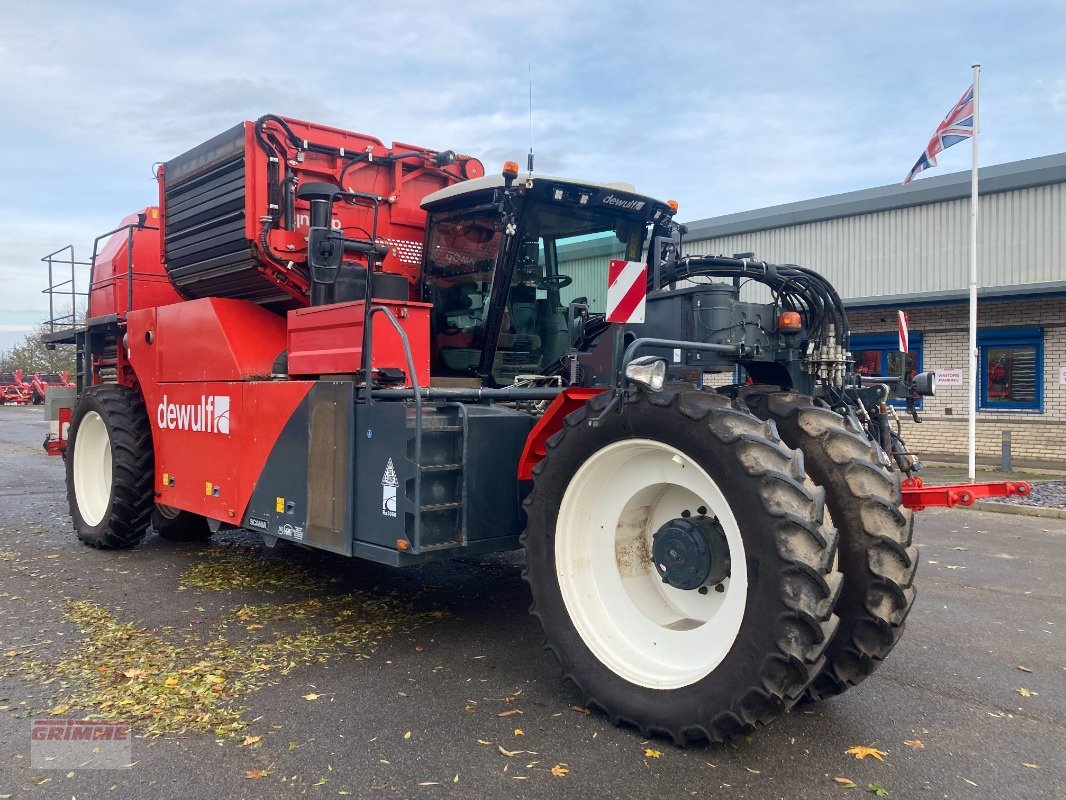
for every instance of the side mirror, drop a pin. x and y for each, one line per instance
(576, 314)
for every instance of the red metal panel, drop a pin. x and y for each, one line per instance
(570, 400)
(213, 439)
(328, 340)
(205, 340)
(918, 496)
(213, 427)
(151, 286)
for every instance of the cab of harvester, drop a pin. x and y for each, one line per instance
(501, 265)
(383, 352)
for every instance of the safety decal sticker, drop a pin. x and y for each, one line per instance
(389, 482)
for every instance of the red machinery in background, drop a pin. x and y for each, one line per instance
(13, 390)
(40, 382)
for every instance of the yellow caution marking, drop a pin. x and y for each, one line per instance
(208, 488)
(279, 505)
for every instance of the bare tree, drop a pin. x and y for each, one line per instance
(33, 356)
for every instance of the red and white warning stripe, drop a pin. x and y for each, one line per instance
(627, 288)
(904, 334)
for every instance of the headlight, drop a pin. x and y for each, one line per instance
(648, 371)
(925, 384)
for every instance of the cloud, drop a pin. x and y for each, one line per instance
(724, 107)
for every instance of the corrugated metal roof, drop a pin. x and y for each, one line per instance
(992, 179)
(897, 245)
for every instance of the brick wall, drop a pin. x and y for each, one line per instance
(1037, 438)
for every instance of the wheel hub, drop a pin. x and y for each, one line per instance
(691, 552)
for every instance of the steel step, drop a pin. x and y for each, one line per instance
(441, 507)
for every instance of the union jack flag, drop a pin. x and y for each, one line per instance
(956, 127)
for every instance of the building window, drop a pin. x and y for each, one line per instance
(878, 354)
(1011, 368)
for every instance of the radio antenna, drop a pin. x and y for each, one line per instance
(529, 160)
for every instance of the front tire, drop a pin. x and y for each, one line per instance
(876, 556)
(689, 664)
(109, 467)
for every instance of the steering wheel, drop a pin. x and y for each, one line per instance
(553, 281)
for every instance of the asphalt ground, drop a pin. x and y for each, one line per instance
(424, 694)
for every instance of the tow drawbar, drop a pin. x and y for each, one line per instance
(917, 496)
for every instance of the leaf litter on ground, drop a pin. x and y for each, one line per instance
(168, 680)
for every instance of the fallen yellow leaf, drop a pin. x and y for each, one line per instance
(519, 732)
(407, 735)
(1031, 766)
(1025, 692)
(914, 744)
(847, 783)
(559, 771)
(860, 752)
(311, 696)
(133, 673)
(649, 753)
(250, 740)
(171, 681)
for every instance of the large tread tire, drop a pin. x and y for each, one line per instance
(182, 526)
(789, 554)
(128, 501)
(866, 505)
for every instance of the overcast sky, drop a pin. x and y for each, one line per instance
(724, 106)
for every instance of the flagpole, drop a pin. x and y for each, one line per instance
(972, 426)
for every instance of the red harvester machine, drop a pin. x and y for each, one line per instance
(40, 382)
(13, 390)
(382, 352)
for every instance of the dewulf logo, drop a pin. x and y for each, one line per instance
(625, 205)
(210, 415)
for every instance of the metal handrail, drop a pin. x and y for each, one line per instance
(51, 261)
(129, 228)
(368, 368)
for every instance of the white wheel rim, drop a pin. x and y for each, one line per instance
(643, 630)
(92, 468)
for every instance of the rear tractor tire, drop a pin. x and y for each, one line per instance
(866, 506)
(680, 566)
(176, 525)
(109, 467)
